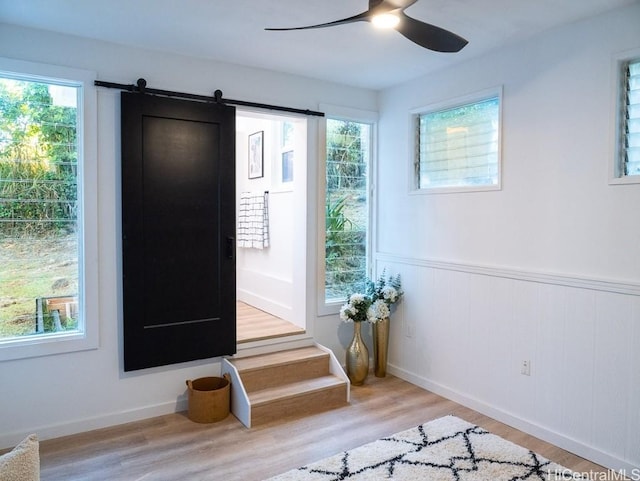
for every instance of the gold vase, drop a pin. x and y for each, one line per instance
(380, 346)
(357, 357)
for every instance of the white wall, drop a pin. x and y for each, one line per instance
(547, 269)
(62, 394)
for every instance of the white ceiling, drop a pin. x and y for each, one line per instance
(355, 54)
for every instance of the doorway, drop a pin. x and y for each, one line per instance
(271, 189)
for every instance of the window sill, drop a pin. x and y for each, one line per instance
(46, 345)
(330, 308)
(456, 190)
(630, 179)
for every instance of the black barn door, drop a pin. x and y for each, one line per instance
(178, 223)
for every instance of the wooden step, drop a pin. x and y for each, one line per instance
(283, 367)
(284, 384)
(296, 399)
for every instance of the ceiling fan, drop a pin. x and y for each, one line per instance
(390, 14)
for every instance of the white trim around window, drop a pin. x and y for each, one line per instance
(88, 337)
(618, 110)
(414, 115)
(356, 115)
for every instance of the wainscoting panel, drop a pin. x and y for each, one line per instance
(578, 361)
(464, 331)
(612, 356)
(633, 429)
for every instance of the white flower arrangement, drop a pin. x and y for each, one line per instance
(355, 309)
(390, 294)
(376, 304)
(347, 312)
(377, 311)
(386, 291)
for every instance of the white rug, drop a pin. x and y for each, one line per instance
(446, 449)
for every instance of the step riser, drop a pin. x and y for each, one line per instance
(271, 376)
(282, 384)
(298, 406)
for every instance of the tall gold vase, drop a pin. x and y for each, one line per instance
(380, 346)
(357, 357)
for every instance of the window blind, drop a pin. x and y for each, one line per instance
(631, 119)
(459, 146)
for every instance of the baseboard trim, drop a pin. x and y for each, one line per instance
(268, 305)
(8, 440)
(558, 439)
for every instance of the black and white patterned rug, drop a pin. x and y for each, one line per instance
(446, 449)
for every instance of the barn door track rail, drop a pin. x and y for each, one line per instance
(141, 87)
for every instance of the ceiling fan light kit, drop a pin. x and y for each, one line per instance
(390, 14)
(385, 20)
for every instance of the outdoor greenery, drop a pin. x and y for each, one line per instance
(38, 159)
(346, 208)
(38, 197)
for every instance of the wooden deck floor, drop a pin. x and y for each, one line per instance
(256, 325)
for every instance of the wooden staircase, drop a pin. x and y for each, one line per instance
(288, 383)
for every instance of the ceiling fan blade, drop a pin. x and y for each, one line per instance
(390, 4)
(356, 18)
(429, 36)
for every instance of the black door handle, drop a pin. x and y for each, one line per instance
(231, 248)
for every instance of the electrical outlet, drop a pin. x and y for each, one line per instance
(409, 329)
(525, 368)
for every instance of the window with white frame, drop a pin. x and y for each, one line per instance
(458, 145)
(347, 207)
(44, 243)
(287, 152)
(628, 152)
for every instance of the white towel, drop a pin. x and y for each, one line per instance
(253, 220)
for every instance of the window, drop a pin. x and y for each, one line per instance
(347, 207)
(628, 155)
(287, 151)
(44, 245)
(458, 146)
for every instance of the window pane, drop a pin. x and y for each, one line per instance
(630, 154)
(459, 146)
(38, 208)
(347, 211)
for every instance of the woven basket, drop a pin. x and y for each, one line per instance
(208, 399)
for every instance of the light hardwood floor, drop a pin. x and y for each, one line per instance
(173, 448)
(256, 325)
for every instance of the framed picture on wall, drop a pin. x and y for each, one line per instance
(256, 155)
